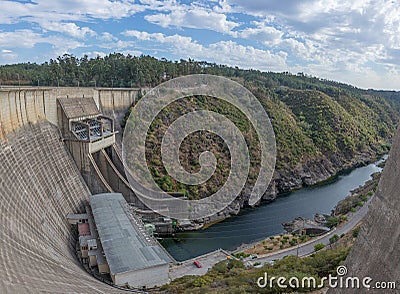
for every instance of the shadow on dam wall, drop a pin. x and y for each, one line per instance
(39, 185)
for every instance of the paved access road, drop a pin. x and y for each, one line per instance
(210, 259)
(307, 248)
(207, 261)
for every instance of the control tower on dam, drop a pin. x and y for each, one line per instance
(40, 184)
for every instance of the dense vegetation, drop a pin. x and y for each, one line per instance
(315, 121)
(233, 277)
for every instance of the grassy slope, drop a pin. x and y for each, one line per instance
(307, 125)
(233, 277)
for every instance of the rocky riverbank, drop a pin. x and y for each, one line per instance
(312, 172)
(354, 201)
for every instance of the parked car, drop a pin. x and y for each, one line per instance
(197, 263)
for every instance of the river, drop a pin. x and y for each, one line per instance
(253, 224)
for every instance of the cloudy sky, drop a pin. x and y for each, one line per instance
(357, 42)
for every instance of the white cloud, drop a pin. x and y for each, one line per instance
(107, 37)
(20, 39)
(226, 52)
(144, 36)
(322, 37)
(8, 56)
(197, 18)
(68, 28)
(331, 38)
(223, 7)
(264, 33)
(28, 39)
(117, 45)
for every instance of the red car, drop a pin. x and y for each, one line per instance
(197, 263)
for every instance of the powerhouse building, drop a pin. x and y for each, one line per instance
(134, 258)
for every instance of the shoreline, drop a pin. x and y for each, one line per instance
(330, 180)
(366, 188)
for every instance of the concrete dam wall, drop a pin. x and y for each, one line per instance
(39, 185)
(376, 253)
(19, 106)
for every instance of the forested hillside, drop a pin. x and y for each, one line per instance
(321, 126)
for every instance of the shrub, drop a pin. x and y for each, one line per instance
(333, 239)
(221, 267)
(344, 218)
(319, 246)
(199, 282)
(332, 222)
(234, 263)
(241, 255)
(355, 233)
(353, 209)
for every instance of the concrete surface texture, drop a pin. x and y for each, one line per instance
(39, 185)
(19, 106)
(376, 253)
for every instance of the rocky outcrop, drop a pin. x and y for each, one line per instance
(376, 252)
(312, 172)
(319, 169)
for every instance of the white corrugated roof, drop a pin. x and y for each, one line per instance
(124, 247)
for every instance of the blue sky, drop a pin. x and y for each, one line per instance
(356, 42)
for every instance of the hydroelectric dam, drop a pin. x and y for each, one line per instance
(47, 174)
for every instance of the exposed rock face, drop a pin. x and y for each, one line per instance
(305, 174)
(319, 169)
(376, 253)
